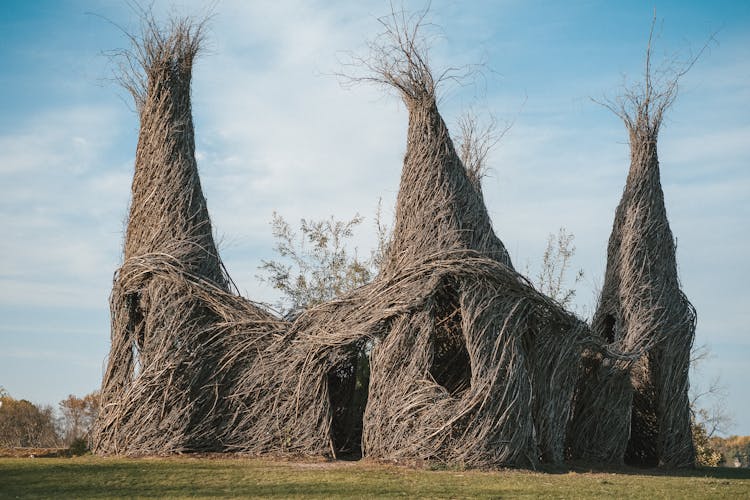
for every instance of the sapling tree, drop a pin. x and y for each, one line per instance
(316, 264)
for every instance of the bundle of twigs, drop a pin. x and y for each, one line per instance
(637, 410)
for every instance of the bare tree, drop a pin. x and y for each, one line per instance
(475, 141)
(383, 234)
(709, 402)
(78, 417)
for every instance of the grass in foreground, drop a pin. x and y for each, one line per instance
(94, 477)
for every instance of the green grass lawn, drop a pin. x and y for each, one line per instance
(93, 477)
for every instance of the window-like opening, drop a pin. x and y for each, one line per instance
(451, 366)
(608, 328)
(136, 330)
(348, 385)
(136, 361)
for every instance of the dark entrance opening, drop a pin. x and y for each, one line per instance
(642, 448)
(136, 330)
(451, 366)
(348, 385)
(608, 328)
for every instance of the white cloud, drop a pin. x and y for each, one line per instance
(700, 148)
(59, 203)
(281, 134)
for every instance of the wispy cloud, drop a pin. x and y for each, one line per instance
(59, 196)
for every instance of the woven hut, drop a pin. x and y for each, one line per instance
(171, 300)
(476, 367)
(636, 409)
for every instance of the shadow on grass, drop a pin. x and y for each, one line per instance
(590, 468)
(217, 476)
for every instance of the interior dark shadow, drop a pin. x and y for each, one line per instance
(642, 446)
(348, 385)
(451, 366)
(608, 328)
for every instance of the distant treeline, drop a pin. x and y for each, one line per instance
(26, 425)
(735, 450)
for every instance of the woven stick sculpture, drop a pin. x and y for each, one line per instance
(468, 363)
(459, 336)
(638, 411)
(171, 295)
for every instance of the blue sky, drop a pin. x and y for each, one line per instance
(275, 131)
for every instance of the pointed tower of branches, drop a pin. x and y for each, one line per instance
(636, 408)
(152, 385)
(440, 207)
(472, 365)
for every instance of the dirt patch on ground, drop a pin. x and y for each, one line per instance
(330, 464)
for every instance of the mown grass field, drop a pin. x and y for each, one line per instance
(93, 477)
